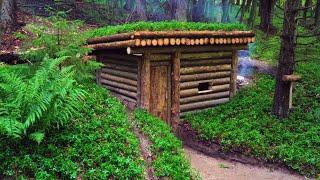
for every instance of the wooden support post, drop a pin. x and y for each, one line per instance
(234, 72)
(175, 110)
(145, 82)
(98, 76)
(290, 95)
(291, 79)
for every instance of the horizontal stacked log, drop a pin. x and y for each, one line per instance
(202, 104)
(170, 34)
(171, 42)
(213, 68)
(171, 38)
(120, 75)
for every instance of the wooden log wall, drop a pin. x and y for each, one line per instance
(211, 69)
(120, 76)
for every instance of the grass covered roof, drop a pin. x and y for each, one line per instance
(165, 26)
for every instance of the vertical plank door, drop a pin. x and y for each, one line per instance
(160, 90)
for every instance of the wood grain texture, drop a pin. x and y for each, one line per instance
(159, 96)
(204, 97)
(234, 73)
(205, 76)
(145, 82)
(203, 104)
(195, 91)
(175, 110)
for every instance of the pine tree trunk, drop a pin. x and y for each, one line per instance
(8, 14)
(317, 14)
(286, 60)
(225, 11)
(198, 10)
(178, 9)
(308, 3)
(253, 13)
(141, 6)
(266, 15)
(128, 6)
(243, 8)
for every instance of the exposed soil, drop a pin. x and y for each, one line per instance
(217, 168)
(211, 153)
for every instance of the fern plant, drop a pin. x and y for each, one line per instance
(49, 99)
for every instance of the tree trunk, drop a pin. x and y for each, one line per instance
(8, 14)
(178, 9)
(129, 5)
(141, 6)
(253, 13)
(266, 15)
(317, 14)
(308, 3)
(225, 11)
(242, 8)
(286, 59)
(198, 10)
(248, 5)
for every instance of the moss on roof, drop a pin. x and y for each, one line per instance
(164, 26)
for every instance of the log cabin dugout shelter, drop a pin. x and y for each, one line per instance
(170, 73)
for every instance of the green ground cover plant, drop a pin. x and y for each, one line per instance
(247, 124)
(170, 161)
(55, 123)
(164, 26)
(96, 144)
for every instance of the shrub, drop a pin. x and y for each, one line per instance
(57, 37)
(30, 107)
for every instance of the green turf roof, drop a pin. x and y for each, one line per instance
(165, 26)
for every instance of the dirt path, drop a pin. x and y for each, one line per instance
(213, 168)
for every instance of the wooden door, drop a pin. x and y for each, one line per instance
(160, 91)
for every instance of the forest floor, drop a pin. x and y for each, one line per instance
(217, 168)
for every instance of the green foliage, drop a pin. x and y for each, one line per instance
(266, 49)
(164, 25)
(245, 124)
(170, 160)
(57, 37)
(30, 107)
(74, 134)
(96, 144)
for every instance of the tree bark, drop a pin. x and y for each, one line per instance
(317, 14)
(8, 14)
(178, 9)
(253, 13)
(129, 5)
(286, 60)
(242, 8)
(225, 11)
(198, 10)
(308, 3)
(141, 6)
(266, 15)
